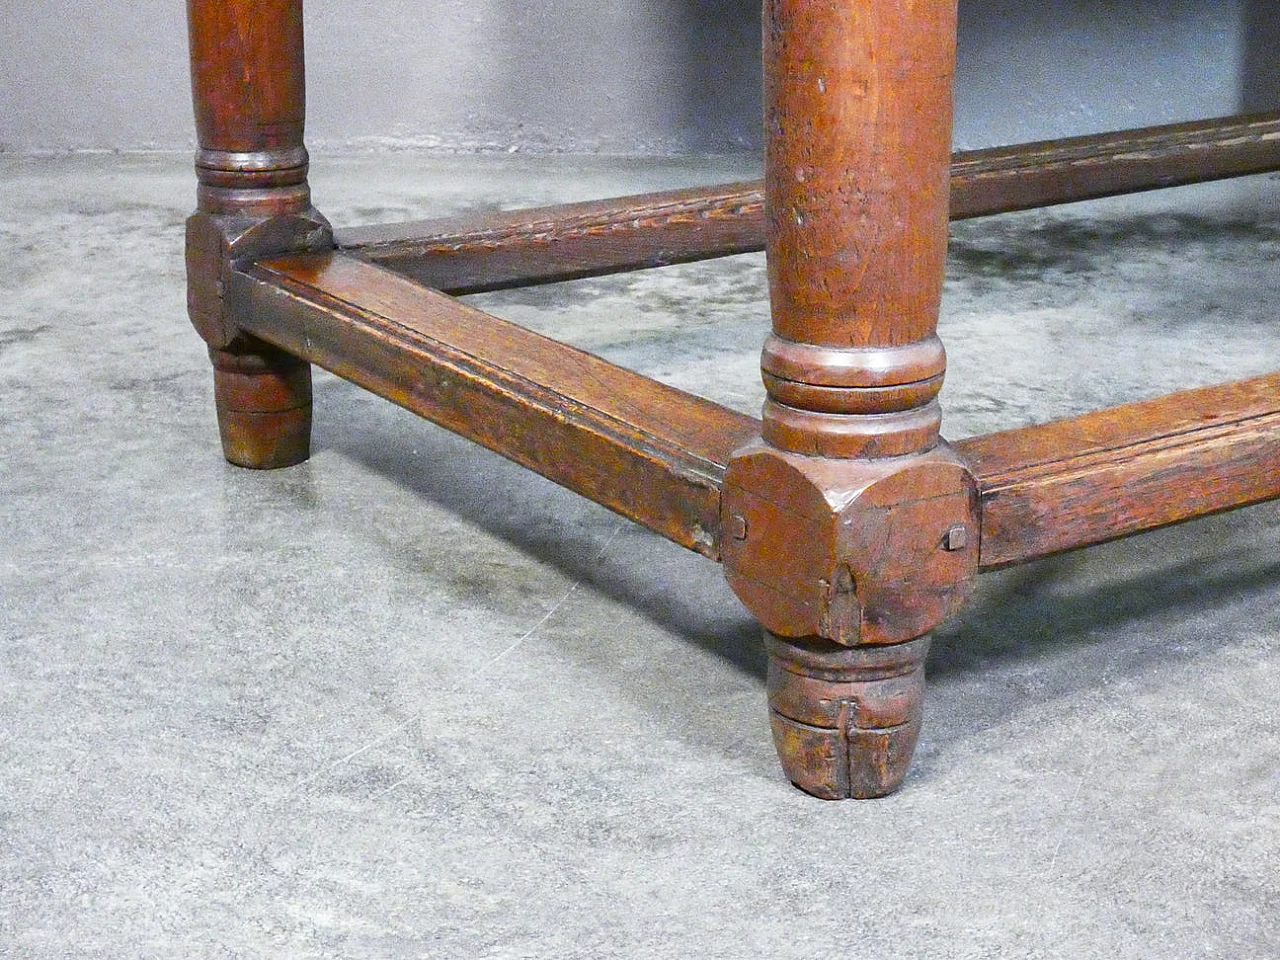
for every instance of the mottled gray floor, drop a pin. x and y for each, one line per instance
(408, 701)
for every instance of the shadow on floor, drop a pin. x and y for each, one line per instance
(1146, 599)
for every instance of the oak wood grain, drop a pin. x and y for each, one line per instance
(1115, 472)
(658, 455)
(651, 452)
(493, 251)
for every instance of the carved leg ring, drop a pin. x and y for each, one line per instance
(845, 719)
(263, 397)
(248, 90)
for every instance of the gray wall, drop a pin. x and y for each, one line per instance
(625, 76)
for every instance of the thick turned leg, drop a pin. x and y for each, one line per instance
(263, 396)
(845, 720)
(852, 529)
(253, 200)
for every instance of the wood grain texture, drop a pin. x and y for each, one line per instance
(857, 101)
(1103, 165)
(248, 88)
(248, 93)
(247, 77)
(1121, 471)
(494, 251)
(851, 526)
(857, 552)
(845, 721)
(659, 456)
(263, 399)
(652, 453)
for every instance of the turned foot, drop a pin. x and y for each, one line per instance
(263, 397)
(845, 719)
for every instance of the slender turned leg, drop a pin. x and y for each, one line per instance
(248, 90)
(851, 525)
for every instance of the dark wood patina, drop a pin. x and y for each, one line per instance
(518, 248)
(844, 522)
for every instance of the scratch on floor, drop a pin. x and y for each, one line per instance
(354, 753)
(479, 671)
(473, 675)
(1066, 807)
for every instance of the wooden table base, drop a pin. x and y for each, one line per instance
(844, 522)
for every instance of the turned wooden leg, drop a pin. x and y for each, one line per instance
(853, 528)
(253, 199)
(263, 396)
(845, 719)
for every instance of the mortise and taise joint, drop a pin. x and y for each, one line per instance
(859, 552)
(216, 241)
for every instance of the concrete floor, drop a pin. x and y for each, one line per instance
(408, 701)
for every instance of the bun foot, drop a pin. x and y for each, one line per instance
(263, 397)
(845, 719)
